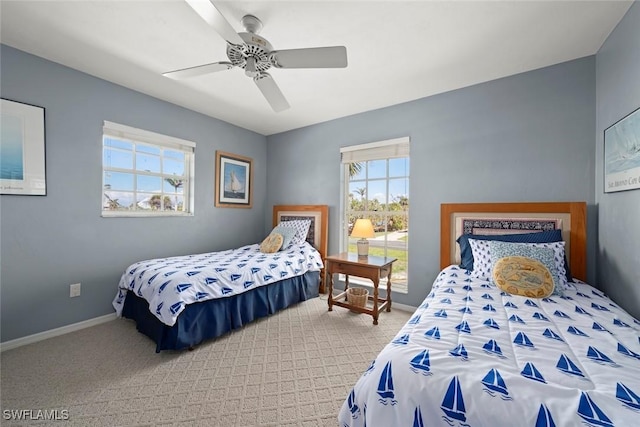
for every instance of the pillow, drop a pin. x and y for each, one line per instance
(523, 276)
(466, 256)
(546, 256)
(485, 259)
(272, 243)
(302, 229)
(288, 233)
(560, 260)
(481, 259)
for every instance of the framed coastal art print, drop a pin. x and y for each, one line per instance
(234, 180)
(22, 159)
(622, 154)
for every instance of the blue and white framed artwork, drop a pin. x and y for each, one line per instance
(22, 149)
(622, 154)
(234, 180)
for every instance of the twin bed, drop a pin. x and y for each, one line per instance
(475, 355)
(182, 301)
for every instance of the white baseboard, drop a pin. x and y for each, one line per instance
(30, 339)
(403, 307)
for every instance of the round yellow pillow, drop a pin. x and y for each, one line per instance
(523, 276)
(271, 243)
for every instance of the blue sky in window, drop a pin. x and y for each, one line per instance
(376, 172)
(119, 154)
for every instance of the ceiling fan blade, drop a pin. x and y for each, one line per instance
(271, 92)
(199, 70)
(210, 13)
(315, 57)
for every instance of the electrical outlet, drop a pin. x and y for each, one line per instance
(74, 290)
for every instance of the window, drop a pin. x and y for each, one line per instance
(376, 186)
(145, 173)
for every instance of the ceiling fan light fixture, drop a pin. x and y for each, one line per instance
(250, 67)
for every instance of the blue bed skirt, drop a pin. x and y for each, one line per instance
(209, 319)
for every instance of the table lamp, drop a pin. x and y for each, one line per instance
(363, 229)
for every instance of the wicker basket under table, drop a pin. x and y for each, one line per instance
(357, 296)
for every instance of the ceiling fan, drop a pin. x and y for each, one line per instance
(254, 54)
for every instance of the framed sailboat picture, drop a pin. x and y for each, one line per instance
(22, 152)
(622, 154)
(234, 180)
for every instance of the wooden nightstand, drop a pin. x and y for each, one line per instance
(371, 267)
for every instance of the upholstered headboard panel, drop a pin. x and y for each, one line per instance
(319, 216)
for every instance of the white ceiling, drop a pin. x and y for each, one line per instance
(397, 51)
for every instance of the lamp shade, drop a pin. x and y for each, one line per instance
(363, 229)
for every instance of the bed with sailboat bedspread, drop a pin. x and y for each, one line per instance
(171, 284)
(473, 355)
(181, 301)
(508, 335)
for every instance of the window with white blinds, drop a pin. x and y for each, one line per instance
(376, 186)
(145, 173)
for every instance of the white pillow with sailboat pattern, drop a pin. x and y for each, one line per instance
(481, 259)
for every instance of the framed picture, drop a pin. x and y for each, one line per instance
(22, 160)
(622, 154)
(234, 180)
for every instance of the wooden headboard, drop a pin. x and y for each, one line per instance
(318, 232)
(572, 217)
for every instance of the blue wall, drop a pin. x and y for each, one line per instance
(618, 94)
(50, 242)
(528, 137)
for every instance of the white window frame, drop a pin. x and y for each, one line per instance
(381, 150)
(156, 140)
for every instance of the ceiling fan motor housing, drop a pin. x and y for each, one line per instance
(254, 55)
(254, 47)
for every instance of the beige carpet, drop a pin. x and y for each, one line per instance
(294, 368)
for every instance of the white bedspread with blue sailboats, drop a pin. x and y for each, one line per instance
(170, 284)
(472, 355)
